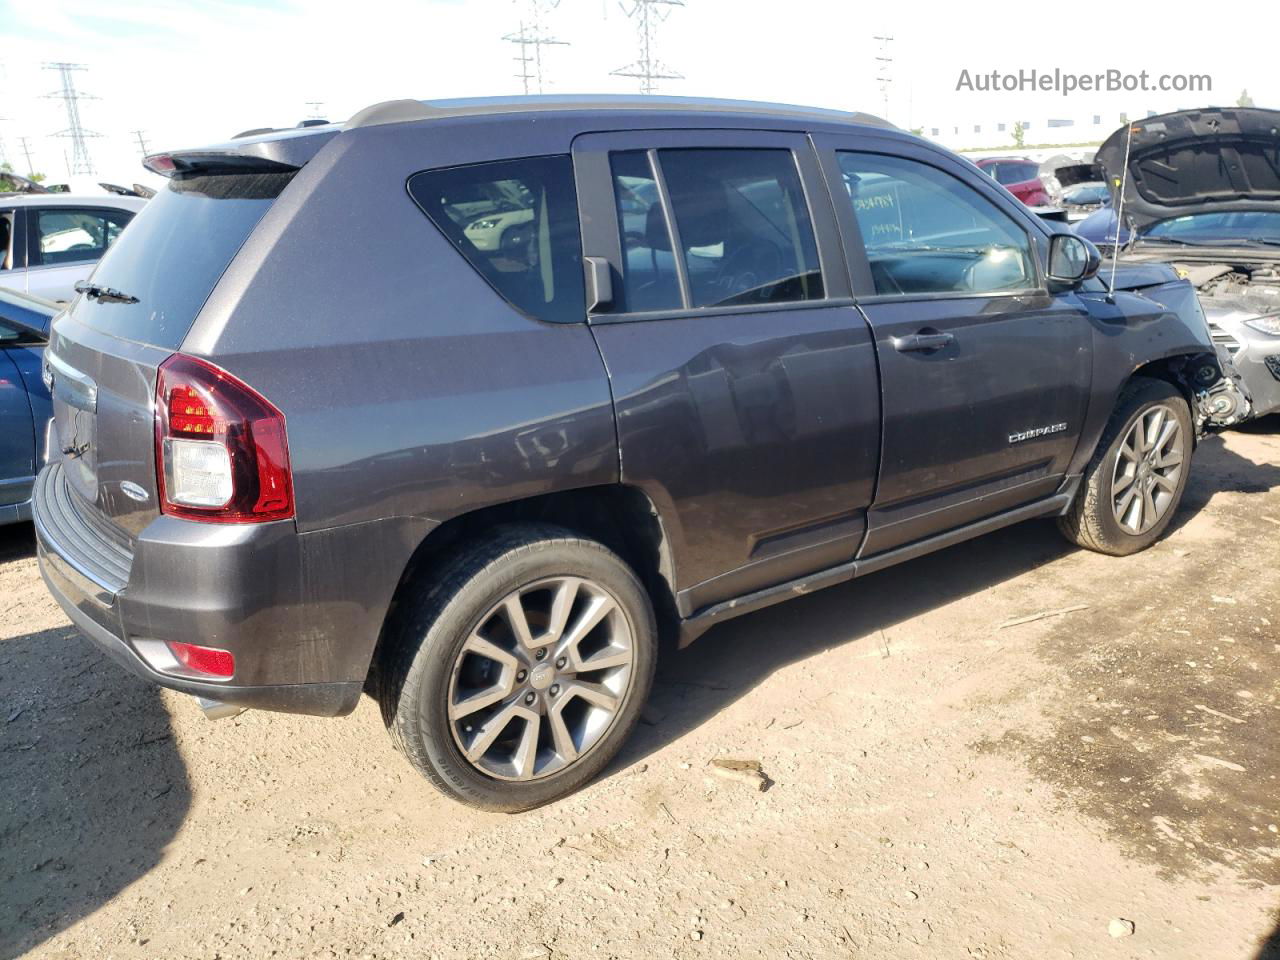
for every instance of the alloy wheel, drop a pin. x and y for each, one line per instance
(541, 678)
(1148, 470)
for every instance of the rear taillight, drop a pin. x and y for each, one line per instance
(221, 452)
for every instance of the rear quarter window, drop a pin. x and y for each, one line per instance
(516, 223)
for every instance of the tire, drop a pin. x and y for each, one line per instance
(1104, 516)
(454, 643)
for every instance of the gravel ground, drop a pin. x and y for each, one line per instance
(941, 786)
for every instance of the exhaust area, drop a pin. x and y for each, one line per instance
(217, 710)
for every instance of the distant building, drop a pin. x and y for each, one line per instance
(997, 132)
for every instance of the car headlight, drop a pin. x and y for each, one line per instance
(1269, 325)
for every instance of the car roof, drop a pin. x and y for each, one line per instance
(294, 146)
(403, 110)
(72, 200)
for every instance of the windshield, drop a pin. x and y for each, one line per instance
(173, 253)
(1086, 193)
(1239, 226)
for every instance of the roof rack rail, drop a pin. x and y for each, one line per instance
(404, 111)
(391, 111)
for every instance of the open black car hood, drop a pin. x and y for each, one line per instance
(1193, 161)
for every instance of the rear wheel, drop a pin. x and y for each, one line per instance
(516, 675)
(1135, 481)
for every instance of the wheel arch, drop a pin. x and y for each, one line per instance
(1176, 370)
(620, 516)
(1189, 372)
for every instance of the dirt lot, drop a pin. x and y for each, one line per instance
(943, 787)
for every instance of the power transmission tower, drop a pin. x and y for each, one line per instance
(26, 149)
(648, 70)
(142, 142)
(80, 161)
(531, 38)
(884, 74)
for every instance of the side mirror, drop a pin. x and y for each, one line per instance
(1072, 259)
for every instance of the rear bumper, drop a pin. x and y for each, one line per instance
(320, 699)
(300, 618)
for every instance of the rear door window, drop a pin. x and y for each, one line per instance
(67, 235)
(743, 225)
(649, 277)
(516, 223)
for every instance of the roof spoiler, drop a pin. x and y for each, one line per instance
(268, 152)
(207, 162)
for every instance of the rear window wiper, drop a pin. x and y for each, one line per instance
(103, 294)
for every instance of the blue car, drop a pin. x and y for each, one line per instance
(1099, 227)
(24, 400)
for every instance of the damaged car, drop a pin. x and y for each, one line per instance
(742, 352)
(1202, 194)
(1078, 188)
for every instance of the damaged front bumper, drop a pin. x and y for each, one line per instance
(1221, 397)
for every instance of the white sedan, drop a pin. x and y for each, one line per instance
(48, 241)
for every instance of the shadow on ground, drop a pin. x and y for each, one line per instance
(1165, 726)
(17, 541)
(734, 657)
(92, 788)
(1270, 947)
(1119, 667)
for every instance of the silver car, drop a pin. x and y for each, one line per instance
(48, 241)
(1202, 194)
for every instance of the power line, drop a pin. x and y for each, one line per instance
(531, 38)
(648, 70)
(142, 142)
(26, 148)
(884, 74)
(79, 161)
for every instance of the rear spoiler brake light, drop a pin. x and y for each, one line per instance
(169, 164)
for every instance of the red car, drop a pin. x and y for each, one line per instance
(1019, 176)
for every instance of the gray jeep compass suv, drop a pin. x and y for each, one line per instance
(465, 404)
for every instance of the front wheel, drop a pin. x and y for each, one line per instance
(514, 677)
(1135, 481)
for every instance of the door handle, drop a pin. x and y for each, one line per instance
(922, 341)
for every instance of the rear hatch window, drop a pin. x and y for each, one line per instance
(173, 253)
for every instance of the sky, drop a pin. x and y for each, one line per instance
(199, 71)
